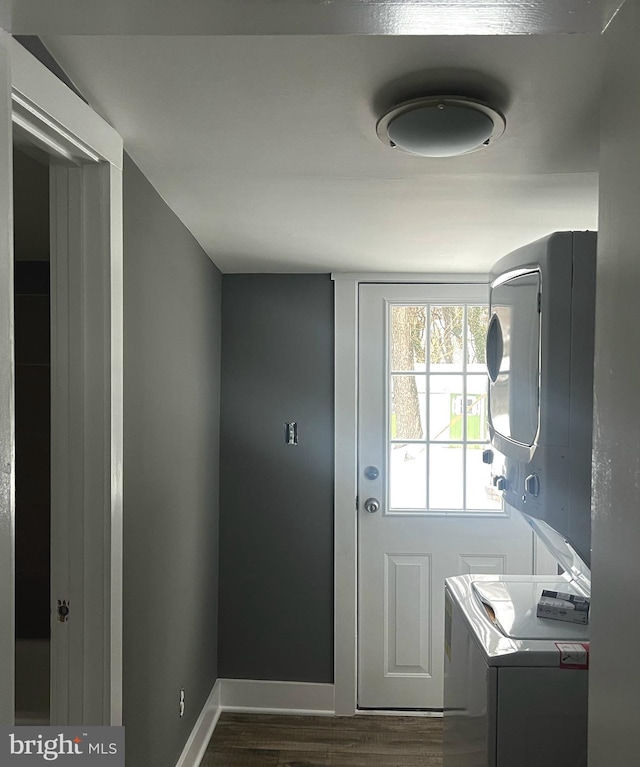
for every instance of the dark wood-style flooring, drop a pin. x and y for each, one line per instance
(255, 740)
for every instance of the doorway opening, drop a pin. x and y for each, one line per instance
(32, 302)
(78, 555)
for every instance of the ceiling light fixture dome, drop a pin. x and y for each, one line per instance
(441, 126)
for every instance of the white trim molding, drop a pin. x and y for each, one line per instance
(195, 747)
(266, 697)
(7, 390)
(54, 115)
(448, 278)
(345, 491)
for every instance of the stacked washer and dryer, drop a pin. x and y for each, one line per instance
(515, 684)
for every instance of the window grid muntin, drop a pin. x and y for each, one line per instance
(427, 442)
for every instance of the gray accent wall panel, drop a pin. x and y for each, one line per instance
(172, 300)
(276, 500)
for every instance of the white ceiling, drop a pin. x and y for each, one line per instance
(266, 146)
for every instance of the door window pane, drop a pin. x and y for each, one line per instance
(446, 325)
(445, 407)
(407, 476)
(446, 480)
(477, 408)
(407, 338)
(408, 405)
(477, 322)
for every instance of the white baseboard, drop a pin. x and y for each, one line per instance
(256, 697)
(399, 712)
(198, 741)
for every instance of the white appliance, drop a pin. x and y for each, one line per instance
(540, 364)
(515, 689)
(516, 686)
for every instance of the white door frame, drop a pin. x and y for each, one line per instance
(87, 351)
(346, 288)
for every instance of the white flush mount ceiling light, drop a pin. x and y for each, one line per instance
(441, 126)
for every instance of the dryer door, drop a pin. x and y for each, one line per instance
(513, 356)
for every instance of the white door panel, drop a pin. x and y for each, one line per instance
(407, 587)
(406, 549)
(491, 564)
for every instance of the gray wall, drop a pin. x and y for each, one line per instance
(614, 682)
(276, 522)
(171, 415)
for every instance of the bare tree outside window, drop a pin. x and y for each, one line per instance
(408, 352)
(477, 321)
(447, 335)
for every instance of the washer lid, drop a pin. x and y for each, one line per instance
(564, 554)
(512, 609)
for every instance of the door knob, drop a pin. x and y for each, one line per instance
(372, 505)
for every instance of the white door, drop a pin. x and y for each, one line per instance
(422, 431)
